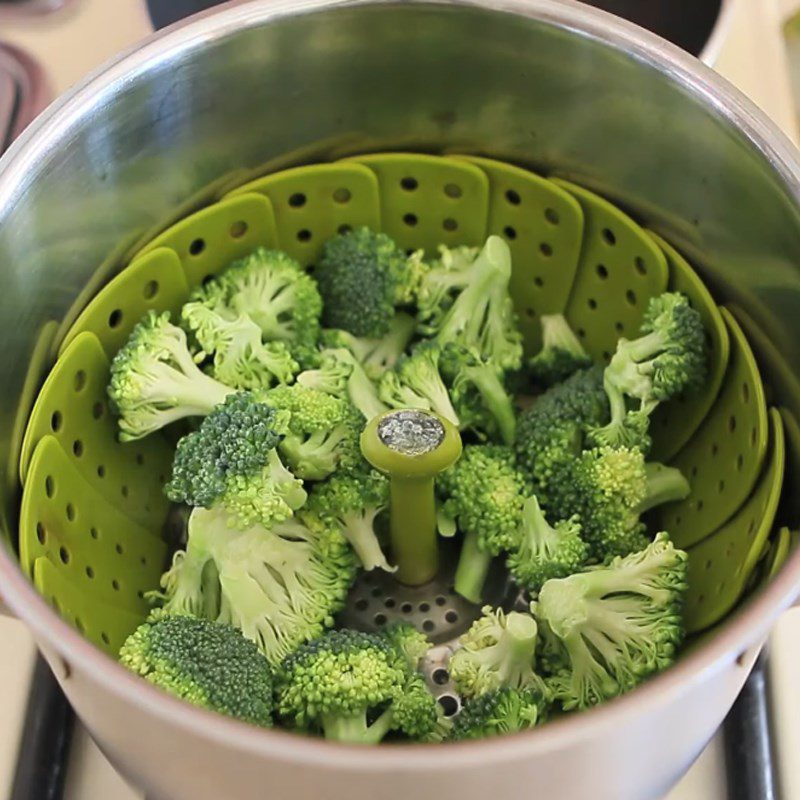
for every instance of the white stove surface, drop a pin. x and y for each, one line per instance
(75, 41)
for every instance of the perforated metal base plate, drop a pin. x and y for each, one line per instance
(377, 600)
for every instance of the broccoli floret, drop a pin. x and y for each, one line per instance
(616, 624)
(239, 357)
(498, 713)
(481, 316)
(667, 359)
(206, 663)
(442, 280)
(322, 431)
(408, 641)
(609, 489)
(354, 687)
(551, 429)
(544, 551)
(341, 375)
(362, 276)
(484, 494)
(155, 381)
(498, 650)
(478, 393)
(280, 586)
(352, 503)
(232, 461)
(278, 294)
(561, 355)
(417, 383)
(375, 355)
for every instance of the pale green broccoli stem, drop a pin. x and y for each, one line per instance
(520, 643)
(664, 485)
(354, 729)
(558, 335)
(496, 399)
(473, 567)
(363, 394)
(359, 530)
(384, 353)
(412, 504)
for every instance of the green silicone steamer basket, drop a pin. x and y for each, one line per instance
(96, 530)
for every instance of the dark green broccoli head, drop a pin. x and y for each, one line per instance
(617, 624)
(362, 276)
(498, 713)
(551, 428)
(206, 663)
(155, 381)
(231, 460)
(354, 687)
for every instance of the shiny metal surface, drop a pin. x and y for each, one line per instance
(552, 85)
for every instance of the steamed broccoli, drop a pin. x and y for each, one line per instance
(481, 316)
(375, 355)
(232, 461)
(321, 435)
(362, 276)
(280, 586)
(155, 381)
(341, 375)
(484, 495)
(561, 355)
(417, 383)
(667, 359)
(499, 650)
(208, 664)
(609, 489)
(551, 429)
(544, 551)
(498, 713)
(272, 289)
(478, 393)
(240, 358)
(615, 624)
(352, 503)
(355, 687)
(440, 281)
(408, 641)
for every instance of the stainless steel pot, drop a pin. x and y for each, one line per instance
(554, 85)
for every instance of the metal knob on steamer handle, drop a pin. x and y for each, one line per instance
(412, 447)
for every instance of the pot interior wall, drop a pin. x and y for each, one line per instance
(125, 160)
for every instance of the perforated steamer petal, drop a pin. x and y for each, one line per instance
(574, 252)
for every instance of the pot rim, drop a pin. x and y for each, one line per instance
(67, 649)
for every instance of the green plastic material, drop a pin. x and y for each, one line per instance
(312, 204)
(91, 541)
(153, 281)
(73, 406)
(673, 423)
(103, 624)
(721, 565)
(724, 458)
(39, 363)
(543, 225)
(620, 269)
(779, 552)
(591, 261)
(209, 240)
(428, 200)
(412, 504)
